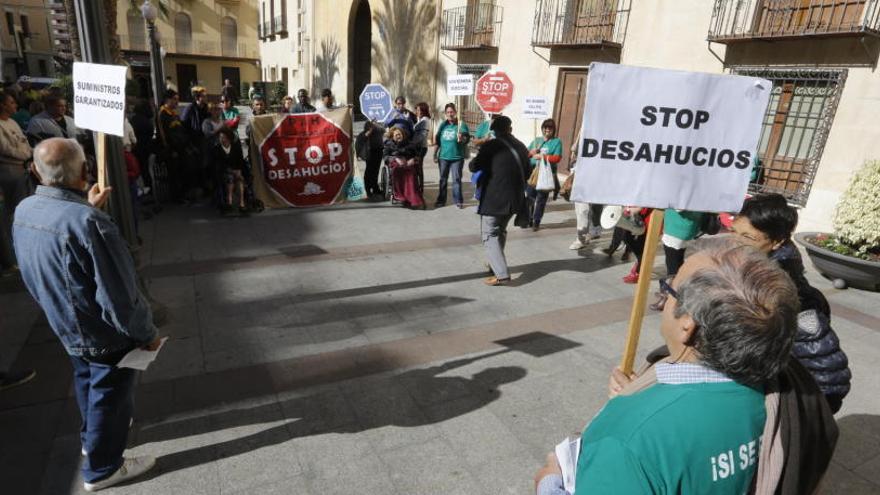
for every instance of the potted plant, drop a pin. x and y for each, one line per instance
(851, 255)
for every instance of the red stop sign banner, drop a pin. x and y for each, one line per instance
(306, 159)
(494, 91)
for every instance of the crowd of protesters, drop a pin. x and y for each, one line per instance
(746, 335)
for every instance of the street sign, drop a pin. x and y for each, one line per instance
(460, 85)
(494, 91)
(535, 107)
(376, 102)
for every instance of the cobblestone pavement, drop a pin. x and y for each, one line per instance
(354, 349)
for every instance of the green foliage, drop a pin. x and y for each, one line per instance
(64, 84)
(857, 217)
(279, 91)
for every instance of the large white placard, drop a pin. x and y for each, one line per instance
(668, 139)
(99, 97)
(460, 85)
(535, 107)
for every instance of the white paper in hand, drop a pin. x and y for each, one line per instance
(567, 453)
(139, 358)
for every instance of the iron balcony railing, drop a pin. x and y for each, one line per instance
(265, 29)
(472, 27)
(578, 23)
(280, 24)
(739, 20)
(196, 46)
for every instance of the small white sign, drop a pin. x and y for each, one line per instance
(668, 139)
(460, 85)
(99, 97)
(535, 107)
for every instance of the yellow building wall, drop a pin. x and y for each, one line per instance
(38, 46)
(205, 18)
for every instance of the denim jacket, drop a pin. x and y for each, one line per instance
(76, 265)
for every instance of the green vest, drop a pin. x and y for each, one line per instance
(447, 136)
(691, 438)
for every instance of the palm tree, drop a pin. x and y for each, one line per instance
(110, 9)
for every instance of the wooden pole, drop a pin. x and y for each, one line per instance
(638, 308)
(101, 159)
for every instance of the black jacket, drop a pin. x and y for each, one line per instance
(223, 162)
(503, 176)
(816, 344)
(407, 149)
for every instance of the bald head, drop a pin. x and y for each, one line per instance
(60, 163)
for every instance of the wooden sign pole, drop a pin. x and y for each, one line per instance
(638, 308)
(101, 158)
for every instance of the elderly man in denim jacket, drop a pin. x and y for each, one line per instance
(76, 265)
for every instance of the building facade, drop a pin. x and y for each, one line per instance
(285, 42)
(203, 43)
(25, 40)
(820, 55)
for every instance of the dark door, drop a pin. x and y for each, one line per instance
(186, 78)
(234, 76)
(571, 91)
(360, 58)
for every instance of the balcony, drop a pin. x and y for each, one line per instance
(198, 47)
(473, 27)
(580, 23)
(279, 25)
(743, 20)
(265, 30)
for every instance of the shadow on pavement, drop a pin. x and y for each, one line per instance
(411, 399)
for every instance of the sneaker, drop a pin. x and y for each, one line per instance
(577, 244)
(631, 278)
(132, 467)
(459, 206)
(495, 281)
(535, 227)
(15, 379)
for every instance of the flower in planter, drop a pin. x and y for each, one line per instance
(857, 217)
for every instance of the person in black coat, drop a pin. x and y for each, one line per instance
(229, 166)
(766, 222)
(502, 166)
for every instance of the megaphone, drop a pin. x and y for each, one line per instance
(612, 216)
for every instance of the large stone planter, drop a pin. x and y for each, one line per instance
(854, 272)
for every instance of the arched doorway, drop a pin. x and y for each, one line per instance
(359, 52)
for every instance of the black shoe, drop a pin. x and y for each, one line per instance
(15, 379)
(608, 251)
(535, 227)
(439, 204)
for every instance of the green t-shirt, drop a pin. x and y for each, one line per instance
(447, 136)
(551, 147)
(483, 130)
(690, 438)
(231, 113)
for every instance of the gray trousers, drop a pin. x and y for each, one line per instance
(494, 235)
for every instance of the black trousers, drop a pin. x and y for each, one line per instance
(371, 173)
(674, 260)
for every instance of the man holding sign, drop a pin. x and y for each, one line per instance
(693, 423)
(76, 265)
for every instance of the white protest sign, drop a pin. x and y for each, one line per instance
(460, 85)
(535, 107)
(668, 139)
(99, 97)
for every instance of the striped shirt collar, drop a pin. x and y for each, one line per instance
(685, 373)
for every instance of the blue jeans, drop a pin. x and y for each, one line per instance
(539, 202)
(105, 395)
(455, 166)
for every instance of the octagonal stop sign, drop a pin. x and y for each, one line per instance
(306, 159)
(494, 91)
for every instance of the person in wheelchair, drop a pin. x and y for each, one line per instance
(402, 157)
(229, 166)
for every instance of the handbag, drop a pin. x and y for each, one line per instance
(523, 215)
(545, 177)
(533, 177)
(565, 190)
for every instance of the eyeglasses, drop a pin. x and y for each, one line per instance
(667, 289)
